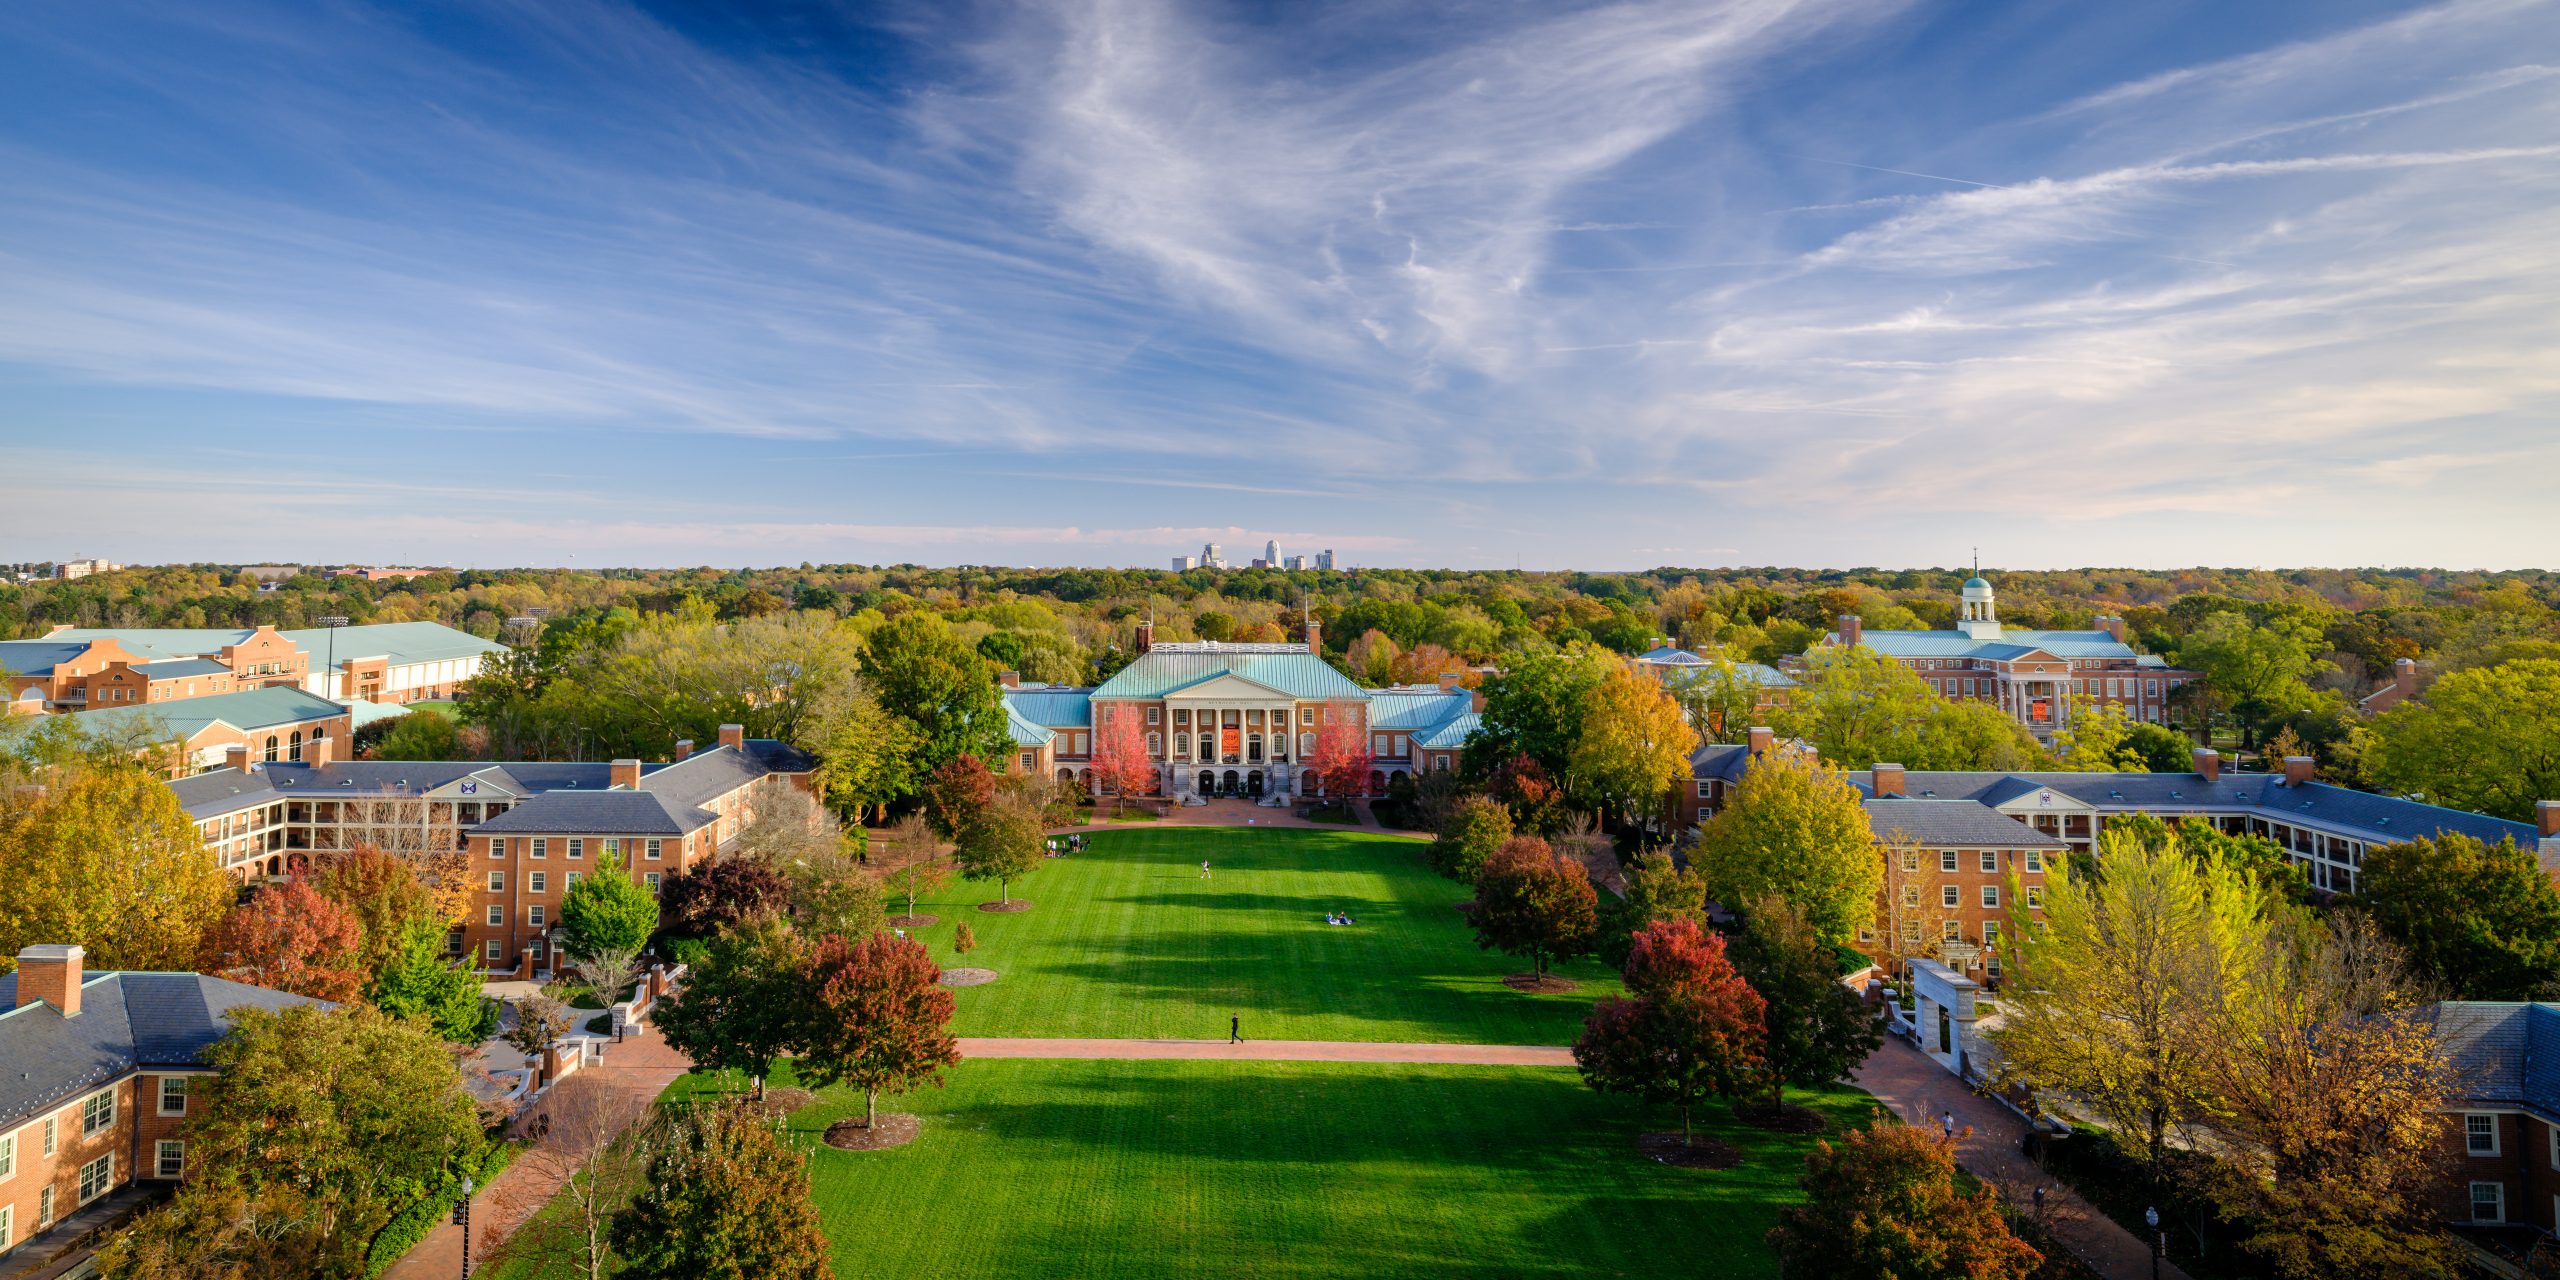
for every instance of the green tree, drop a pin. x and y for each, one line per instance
(1856, 706)
(924, 673)
(1000, 842)
(1720, 699)
(726, 1198)
(1476, 827)
(2262, 667)
(353, 1114)
(103, 856)
(2487, 739)
(1534, 708)
(1797, 829)
(1818, 1030)
(2114, 996)
(1531, 903)
(1658, 889)
(868, 758)
(2482, 919)
(1632, 745)
(418, 980)
(423, 734)
(607, 911)
(743, 1005)
(1886, 1202)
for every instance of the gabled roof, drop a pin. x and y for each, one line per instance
(128, 1021)
(1026, 731)
(677, 790)
(1290, 669)
(637, 813)
(1940, 824)
(2367, 816)
(1671, 656)
(2013, 642)
(273, 707)
(1450, 734)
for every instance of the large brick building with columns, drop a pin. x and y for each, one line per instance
(2032, 675)
(1238, 719)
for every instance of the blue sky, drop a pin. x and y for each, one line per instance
(1474, 284)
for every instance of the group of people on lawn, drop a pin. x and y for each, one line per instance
(1061, 846)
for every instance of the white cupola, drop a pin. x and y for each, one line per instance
(1979, 619)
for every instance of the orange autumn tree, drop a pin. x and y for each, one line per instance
(1342, 759)
(1120, 759)
(287, 937)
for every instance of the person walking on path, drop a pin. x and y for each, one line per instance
(1235, 1028)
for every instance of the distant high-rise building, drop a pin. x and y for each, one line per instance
(83, 568)
(1181, 563)
(1324, 559)
(1301, 562)
(1271, 553)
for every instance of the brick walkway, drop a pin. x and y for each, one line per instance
(1481, 1055)
(642, 1063)
(1920, 1091)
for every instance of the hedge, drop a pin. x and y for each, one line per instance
(411, 1225)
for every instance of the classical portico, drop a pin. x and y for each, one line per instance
(1229, 735)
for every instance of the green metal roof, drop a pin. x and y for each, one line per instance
(187, 717)
(1293, 671)
(1053, 707)
(399, 643)
(1025, 732)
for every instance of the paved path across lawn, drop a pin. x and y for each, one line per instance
(1471, 1055)
(1225, 812)
(1921, 1092)
(642, 1063)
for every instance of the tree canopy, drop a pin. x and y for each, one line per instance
(1795, 828)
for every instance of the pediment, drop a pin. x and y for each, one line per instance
(1229, 687)
(2044, 800)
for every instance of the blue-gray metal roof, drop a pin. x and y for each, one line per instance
(1026, 731)
(2503, 1054)
(1452, 733)
(37, 657)
(636, 813)
(1670, 655)
(2361, 814)
(1289, 669)
(1411, 710)
(176, 668)
(1052, 707)
(161, 642)
(127, 1022)
(1958, 824)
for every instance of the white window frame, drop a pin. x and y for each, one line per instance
(1991, 861)
(2035, 896)
(8, 1225)
(165, 1083)
(52, 1135)
(169, 1159)
(533, 915)
(498, 847)
(536, 882)
(2472, 1132)
(492, 949)
(1990, 897)
(8, 1156)
(541, 846)
(574, 877)
(44, 1207)
(497, 882)
(1950, 897)
(497, 917)
(2499, 1201)
(1702, 789)
(655, 849)
(1946, 860)
(651, 879)
(90, 1130)
(1155, 715)
(577, 848)
(106, 1181)
(2035, 859)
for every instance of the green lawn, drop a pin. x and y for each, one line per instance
(1284, 1170)
(1126, 940)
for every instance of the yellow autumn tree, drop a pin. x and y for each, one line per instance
(1633, 745)
(100, 854)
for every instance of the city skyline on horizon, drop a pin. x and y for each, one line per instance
(1767, 282)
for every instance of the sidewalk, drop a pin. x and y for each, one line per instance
(1235, 813)
(1919, 1091)
(642, 1063)
(1483, 1055)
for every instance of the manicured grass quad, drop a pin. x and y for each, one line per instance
(1127, 940)
(1331, 1170)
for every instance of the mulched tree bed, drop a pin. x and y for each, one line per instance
(1018, 904)
(913, 922)
(778, 1103)
(1782, 1119)
(1531, 982)
(967, 977)
(1666, 1148)
(896, 1130)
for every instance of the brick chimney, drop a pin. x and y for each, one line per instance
(319, 752)
(1888, 779)
(50, 972)
(2208, 763)
(1146, 636)
(684, 747)
(1475, 700)
(2404, 677)
(1449, 680)
(236, 756)
(2112, 625)
(733, 736)
(1761, 737)
(1009, 679)
(2546, 818)
(1315, 636)
(2299, 770)
(1850, 629)
(626, 775)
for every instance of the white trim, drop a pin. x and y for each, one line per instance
(2499, 1214)
(2472, 1148)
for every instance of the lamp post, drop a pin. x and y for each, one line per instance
(462, 1219)
(2159, 1239)
(333, 622)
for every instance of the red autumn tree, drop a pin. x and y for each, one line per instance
(289, 938)
(1690, 1028)
(1885, 1202)
(1342, 760)
(956, 792)
(878, 1017)
(715, 895)
(381, 892)
(1120, 760)
(1534, 904)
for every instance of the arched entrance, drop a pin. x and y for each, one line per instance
(1253, 784)
(1232, 783)
(1066, 777)
(1377, 782)
(1084, 779)
(1208, 782)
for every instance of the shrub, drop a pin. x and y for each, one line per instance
(964, 940)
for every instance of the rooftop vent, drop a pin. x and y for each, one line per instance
(2177, 795)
